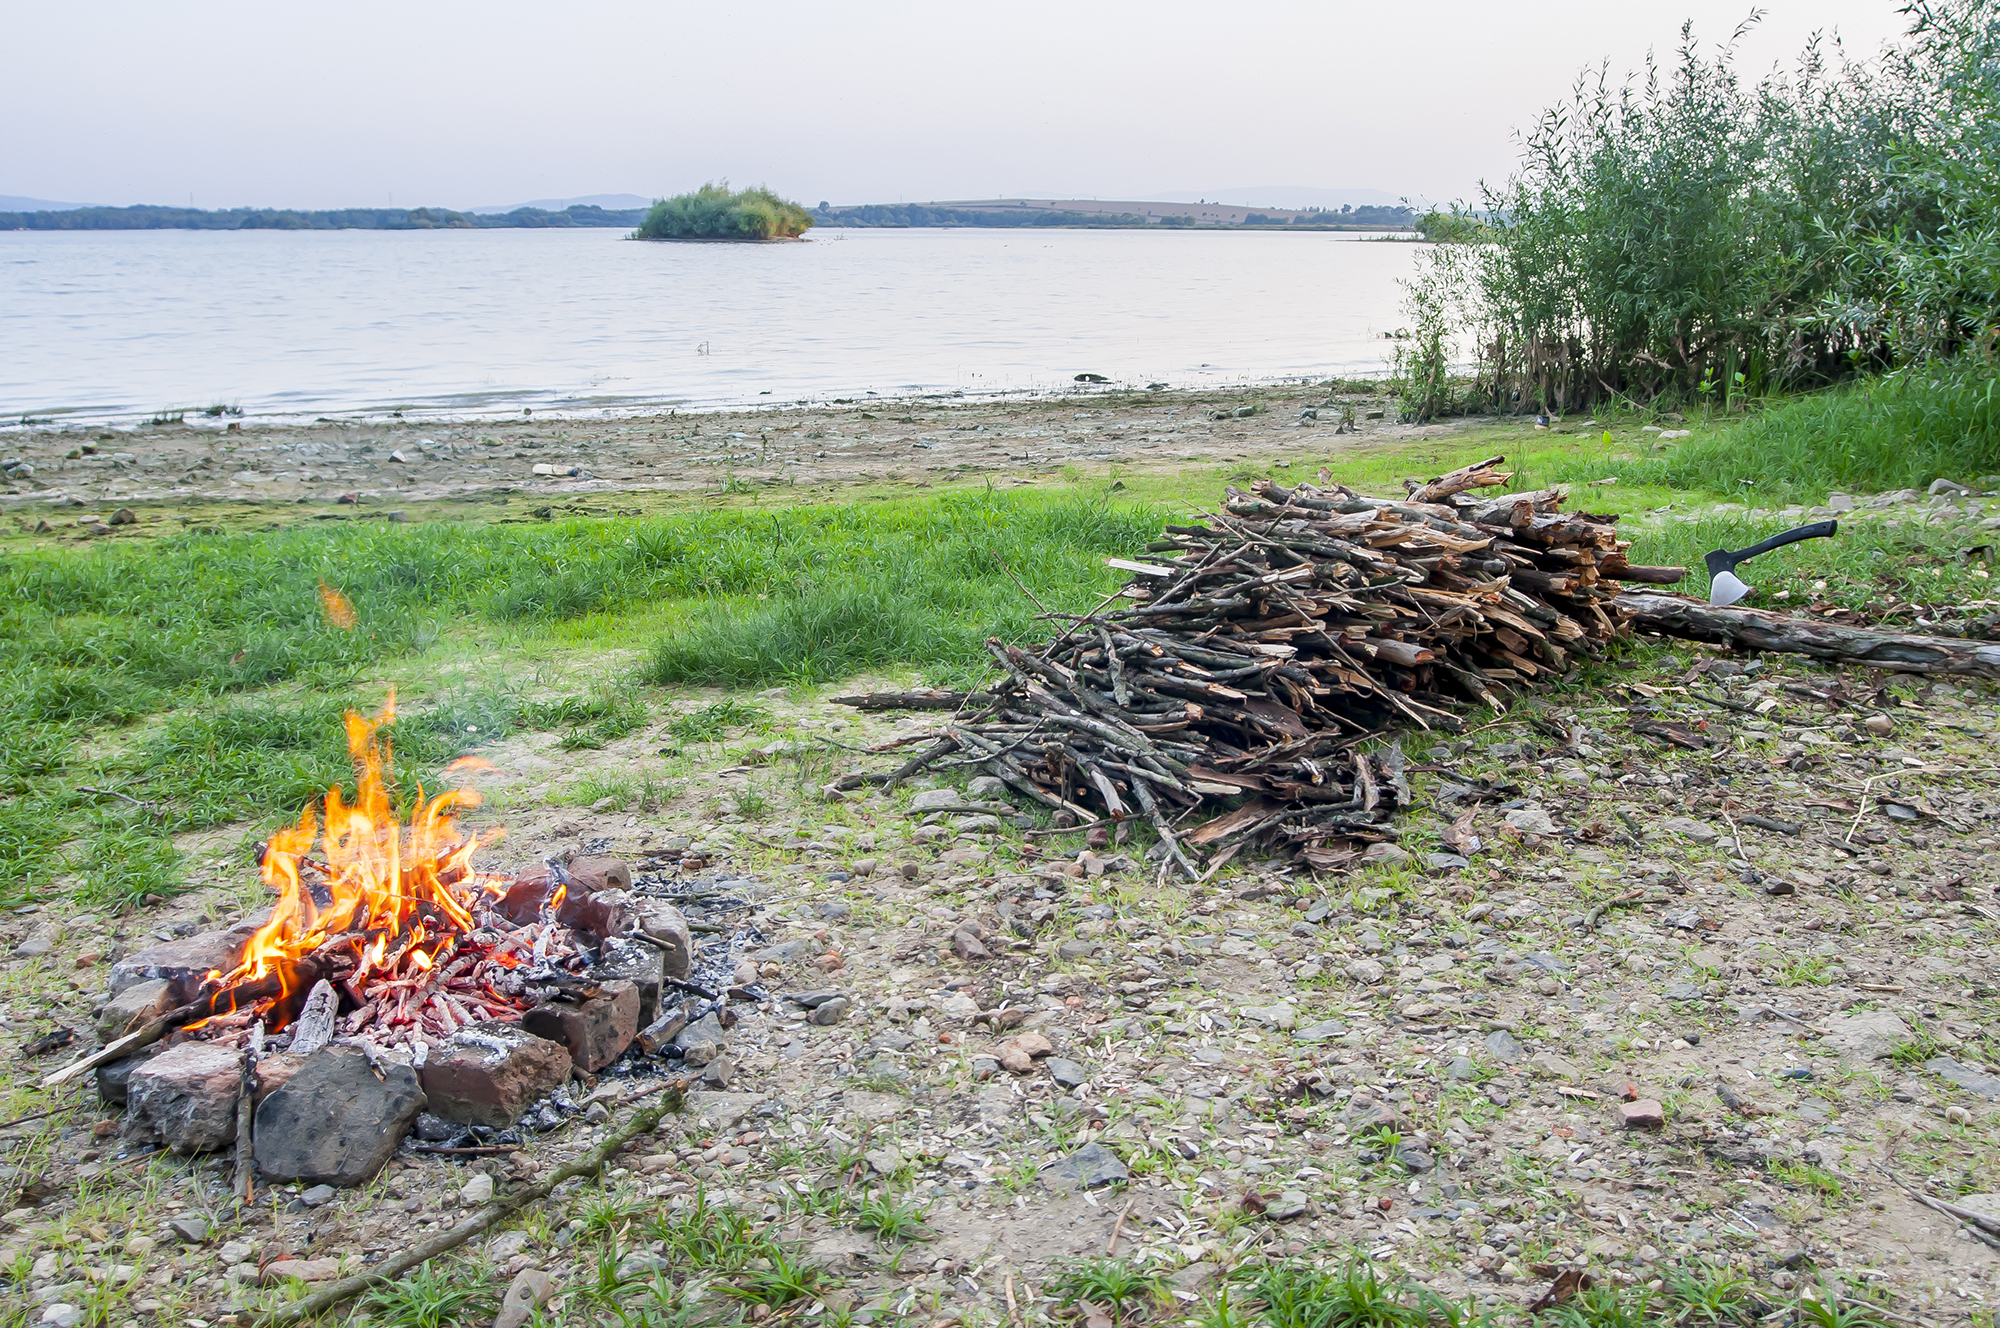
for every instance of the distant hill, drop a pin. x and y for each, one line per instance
(609, 202)
(1098, 212)
(1292, 196)
(146, 217)
(16, 203)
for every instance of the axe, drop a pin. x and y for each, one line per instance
(1724, 587)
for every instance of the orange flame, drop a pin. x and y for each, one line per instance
(339, 612)
(388, 885)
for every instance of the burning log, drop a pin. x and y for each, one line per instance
(290, 978)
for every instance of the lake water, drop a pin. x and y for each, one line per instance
(111, 326)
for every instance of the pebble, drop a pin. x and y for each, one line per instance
(318, 1196)
(479, 1189)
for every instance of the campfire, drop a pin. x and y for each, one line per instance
(388, 930)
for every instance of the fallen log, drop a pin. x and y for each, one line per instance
(927, 699)
(1756, 629)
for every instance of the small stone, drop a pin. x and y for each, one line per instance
(666, 927)
(986, 787)
(305, 1270)
(827, 1013)
(1366, 971)
(60, 1315)
(528, 1292)
(1281, 1017)
(638, 962)
(1964, 1076)
(1645, 1114)
(1287, 1207)
(191, 1230)
(697, 1054)
(1066, 1072)
(1386, 855)
(1504, 1047)
(1321, 1032)
(1462, 1069)
(1034, 1043)
(985, 1067)
(505, 1246)
(1076, 949)
(968, 947)
(1879, 725)
(1416, 1160)
(1531, 821)
(1088, 1167)
(184, 964)
(719, 1072)
(935, 800)
(479, 1189)
(596, 1114)
(1554, 1066)
(318, 1196)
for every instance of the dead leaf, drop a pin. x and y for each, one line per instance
(1093, 1317)
(1254, 1202)
(1458, 837)
(1563, 1290)
(48, 1042)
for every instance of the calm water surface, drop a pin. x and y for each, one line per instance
(117, 325)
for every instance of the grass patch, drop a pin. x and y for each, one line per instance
(1898, 431)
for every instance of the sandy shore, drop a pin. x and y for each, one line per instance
(394, 463)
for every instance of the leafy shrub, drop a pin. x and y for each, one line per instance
(713, 212)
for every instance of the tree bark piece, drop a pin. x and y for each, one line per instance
(928, 699)
(1478, 475)
(1755, 629)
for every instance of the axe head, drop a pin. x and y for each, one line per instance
(1725, 588)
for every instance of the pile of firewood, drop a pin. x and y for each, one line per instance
(1251, 654)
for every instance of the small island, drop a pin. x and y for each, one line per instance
(713, 212)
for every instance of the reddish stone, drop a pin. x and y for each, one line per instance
(1645, 1114)
(596, 1029)
(589, 875)
(490, 1074)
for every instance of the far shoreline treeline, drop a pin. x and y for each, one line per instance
(150, 217)
(893, 216)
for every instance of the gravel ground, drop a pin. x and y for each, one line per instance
(1782, 942)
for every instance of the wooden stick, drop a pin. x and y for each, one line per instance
(1118, 1227)
(310, 1307)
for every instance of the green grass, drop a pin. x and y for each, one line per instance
(1898, 431)
(200, 675)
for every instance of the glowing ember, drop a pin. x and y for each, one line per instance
(393, 916)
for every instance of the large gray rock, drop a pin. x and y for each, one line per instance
(185, 1098)
(490, 1074)
(183, 964)
(1872, 1035)
(337, 1119)
(132, 1007)
(1971, 1080)
(1088, 1167)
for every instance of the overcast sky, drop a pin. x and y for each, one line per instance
(461, 105)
